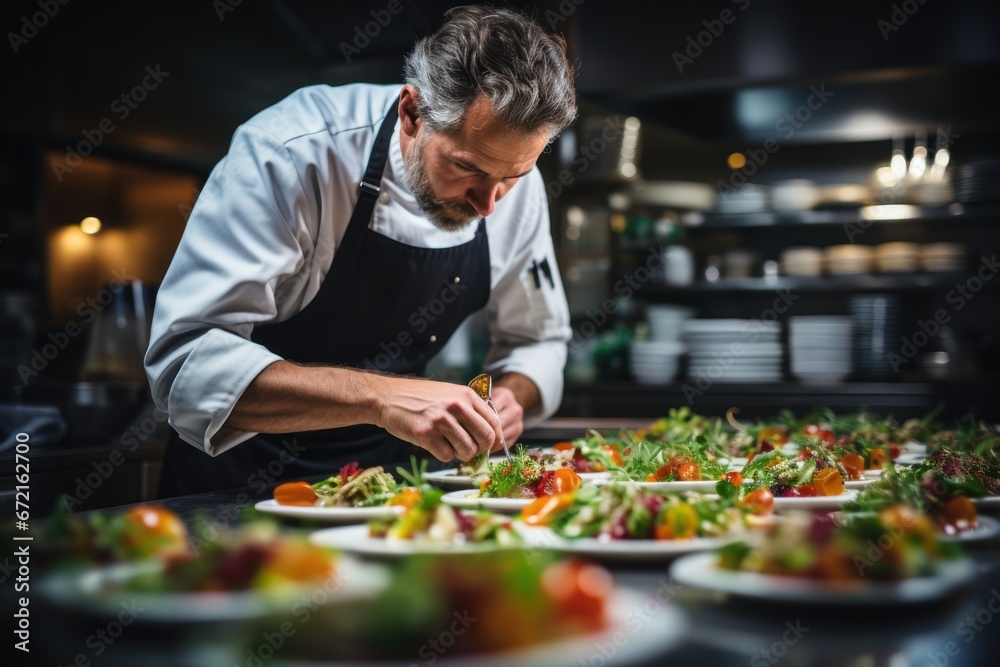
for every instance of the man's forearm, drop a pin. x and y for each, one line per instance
(286, 397)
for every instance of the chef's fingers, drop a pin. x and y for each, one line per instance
(459, 439)
(486, 434)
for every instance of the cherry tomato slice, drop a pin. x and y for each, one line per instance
(689, 472)
(563, 446)
(876, 459)
(960, 513)
(612, 453)
(759, 501)
(828, 482)
(295, 493)
(565, 480)
(541, 511)
(154, 530)
(734, 477)
(822, 433)
(854, 465)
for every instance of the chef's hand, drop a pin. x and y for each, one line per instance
(511, 416)
(449, 420)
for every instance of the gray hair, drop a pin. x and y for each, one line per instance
(499, 54)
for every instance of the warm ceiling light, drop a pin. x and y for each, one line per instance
(889, 212)
(90, 225)
(736, 161)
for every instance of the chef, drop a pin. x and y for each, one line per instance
(342, 240)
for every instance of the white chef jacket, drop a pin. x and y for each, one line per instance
(262, 236)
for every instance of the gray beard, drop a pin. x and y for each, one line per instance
(448, 216)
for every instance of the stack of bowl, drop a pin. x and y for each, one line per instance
(819, 348)
(730, 350)
(876, 334)
(849, 259)
(802, 261)
(942, 257)
(666, 322)
(657, 361)
(897, 257)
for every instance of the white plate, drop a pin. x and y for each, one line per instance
(701, 486)
(664, 627)
(451, 478)
(814, 502)
(462, 500)
(700, 571)
(988, 500)
(330, 514)
(914, 448)
(860, 483)
(874, 474)
(356, 540)
(910, 459)
(545, 538)
(98, 592)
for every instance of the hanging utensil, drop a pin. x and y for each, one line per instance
(482, 384)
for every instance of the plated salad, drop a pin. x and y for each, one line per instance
(682, 461)
(354, 486)
(529, 474)
(253, 556)
(817, 474)
(593, 453)
(430, 520)
(943, 496)
(895, 543)
(629, 512)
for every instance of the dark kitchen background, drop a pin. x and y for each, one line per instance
(753, 160)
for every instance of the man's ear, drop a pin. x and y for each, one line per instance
(409, 112)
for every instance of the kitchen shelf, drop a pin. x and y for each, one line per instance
(900, 399)
(843, 216)
(831, 283)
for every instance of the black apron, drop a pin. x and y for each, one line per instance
(384, 305)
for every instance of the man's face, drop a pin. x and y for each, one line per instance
(458, 177)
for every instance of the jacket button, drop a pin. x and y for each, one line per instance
(457, 279)
(434, 339)
(384, 197)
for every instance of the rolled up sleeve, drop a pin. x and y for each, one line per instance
(528, 321)
(242, 248)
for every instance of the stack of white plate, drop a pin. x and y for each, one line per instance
(819, 347)
(730, 350)
(655, 361)
(666, 322)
